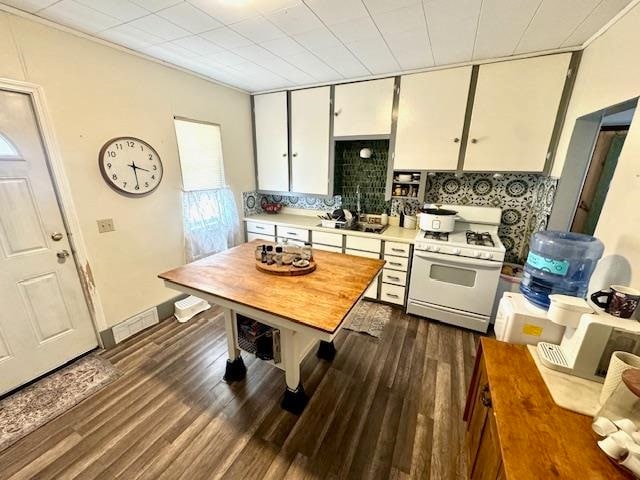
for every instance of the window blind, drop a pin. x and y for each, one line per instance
(200, 150)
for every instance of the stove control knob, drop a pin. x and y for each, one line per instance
(489, 256)
(435, 249)
(428, 248)
(456, 251)
(477, 254)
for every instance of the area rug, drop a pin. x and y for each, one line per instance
(369, 318)
(30, 408)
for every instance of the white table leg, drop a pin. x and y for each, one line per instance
(295, 398)
(235, 369)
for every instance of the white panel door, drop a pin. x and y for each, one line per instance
(431, 115)
(272, 143)
(363, 108)
(514, 112)
(310, 111)
(44, 320)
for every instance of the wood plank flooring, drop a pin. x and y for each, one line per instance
(389, 409)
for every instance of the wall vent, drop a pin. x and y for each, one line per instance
(135, 324)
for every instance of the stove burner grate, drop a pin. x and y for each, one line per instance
(480, 238)
(440, 236)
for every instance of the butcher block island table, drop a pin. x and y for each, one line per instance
(307, 309)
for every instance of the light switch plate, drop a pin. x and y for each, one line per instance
(105, 225)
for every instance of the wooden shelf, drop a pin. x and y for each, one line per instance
(406, 183)
(404, 197)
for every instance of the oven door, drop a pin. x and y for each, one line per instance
(459, 283)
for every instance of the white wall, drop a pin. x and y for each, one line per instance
(95, 93)
(610, 74)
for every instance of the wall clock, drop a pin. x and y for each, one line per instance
(130, 166)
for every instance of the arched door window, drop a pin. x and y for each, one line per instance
(7, 149)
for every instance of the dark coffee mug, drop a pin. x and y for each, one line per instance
(619, 301)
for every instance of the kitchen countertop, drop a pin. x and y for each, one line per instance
(311, 222)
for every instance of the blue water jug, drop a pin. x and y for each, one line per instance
(559, 262)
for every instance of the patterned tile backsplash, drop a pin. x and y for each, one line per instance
(525, 199)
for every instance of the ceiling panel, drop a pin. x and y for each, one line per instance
(77, 15)
(227, 38)
(121, 9)
(259, 44)
(605, 11)
(336, 11)
(452, 28)
(189, 17)
(552, 21)
(501, 25)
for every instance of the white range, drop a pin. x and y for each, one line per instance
(454, 276)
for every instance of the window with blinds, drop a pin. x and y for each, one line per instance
(200, 150)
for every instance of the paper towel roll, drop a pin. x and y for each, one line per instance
(620, 361)
(632, 462)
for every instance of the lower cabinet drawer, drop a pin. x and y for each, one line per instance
(364, 244)
(395, 277)
(263, 228)
(392, 294)
(324, 238)
(396, 248)
(327, 248)
(359, 253)
(300, 234)
(259, 236)
(396, 263)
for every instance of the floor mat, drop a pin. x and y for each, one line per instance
(30, 408)
(369, 318)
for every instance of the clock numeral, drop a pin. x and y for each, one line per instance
(137, 187)
(114, 176)
(111, 153)
(146, 184)
(151, 156)
(130, 143)
(108, 165)
(153, 177)
(118, 146)
(155, 167)
(124, 184)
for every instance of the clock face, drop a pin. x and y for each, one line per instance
(130, 166)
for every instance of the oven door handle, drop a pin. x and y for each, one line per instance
(462, 261)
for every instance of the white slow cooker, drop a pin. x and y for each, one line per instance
(438, 219)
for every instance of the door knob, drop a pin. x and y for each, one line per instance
(62, 254)
(56, 237)
(474, 140)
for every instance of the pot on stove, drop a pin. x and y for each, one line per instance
(437, 219)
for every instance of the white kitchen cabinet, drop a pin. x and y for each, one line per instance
(327, 248)
(272, 143)
(259, 236)
(372, 291)
(514, 114)
(431, 114)
(310, 112)
(363, 108)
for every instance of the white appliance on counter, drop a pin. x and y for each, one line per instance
(454, 276)
(520, 321)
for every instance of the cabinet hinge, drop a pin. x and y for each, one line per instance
(569, 73)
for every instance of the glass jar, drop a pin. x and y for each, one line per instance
(624, 402)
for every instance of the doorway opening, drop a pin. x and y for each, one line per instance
(596, 143)
(609, 143)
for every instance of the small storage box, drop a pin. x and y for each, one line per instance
(519, 321)
(259, 339)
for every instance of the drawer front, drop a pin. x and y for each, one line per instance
(263, 228)
(398, 249)
(359, 253)
(396, 263)
(364, 244)
(395, 277)
(327, 248)
(392, 294)
(259, 236)
(290, 241)
(300, 234)
(334, 239)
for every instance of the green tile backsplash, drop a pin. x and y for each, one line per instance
(370, 174)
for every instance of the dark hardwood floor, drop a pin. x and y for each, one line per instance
(387, 409)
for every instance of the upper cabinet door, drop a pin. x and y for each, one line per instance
(431, 119)
(272, 144)
(363, 108)
(514, 114)
(310, 114)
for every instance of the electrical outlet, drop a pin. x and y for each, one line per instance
(105, 225)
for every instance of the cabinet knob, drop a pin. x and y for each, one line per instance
(474, 140)
(295, 155)
(456, 140)
(337, 112)
(485, 398)
(284, 154)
